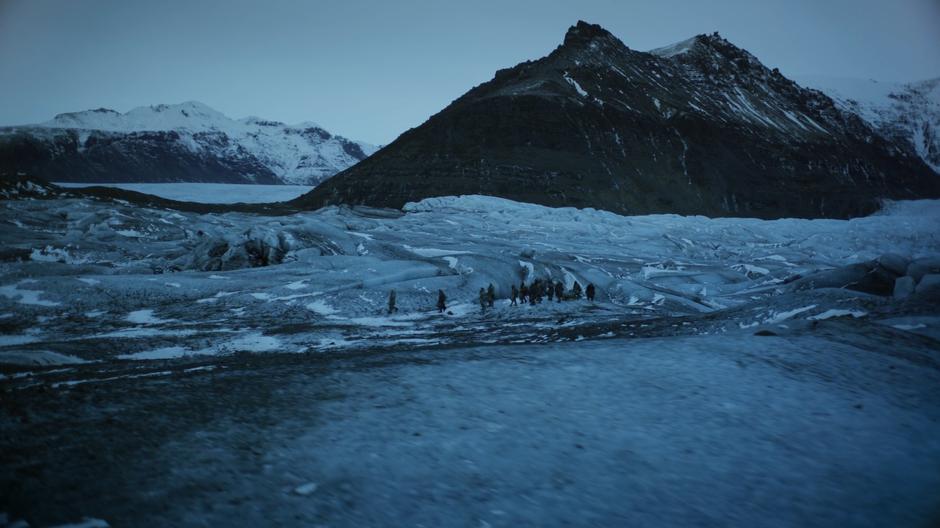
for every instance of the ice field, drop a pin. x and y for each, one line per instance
(216, 193)
(213, 367)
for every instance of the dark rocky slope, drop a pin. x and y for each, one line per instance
(701, 127)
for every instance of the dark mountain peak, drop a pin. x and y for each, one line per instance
(698, 127)
(583, 34)
(711, 38)
(93, 111)
(712, 44)
(719, 44)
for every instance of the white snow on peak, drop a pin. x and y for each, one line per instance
(869, 93)
(908, 112)
(300, 154)
(191, 115)
(674, 49)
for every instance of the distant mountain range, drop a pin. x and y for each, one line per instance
(187, 142)
(699, 127)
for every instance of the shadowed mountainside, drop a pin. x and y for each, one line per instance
(700, 127)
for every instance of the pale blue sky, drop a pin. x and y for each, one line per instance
(371, 69)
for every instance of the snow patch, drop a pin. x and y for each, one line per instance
(321, 307)
(28, 297)
(253, 343)
(37, 358)
(172, 352)
(144, 317)
(576, 86)
(777, 317)
(829, 314)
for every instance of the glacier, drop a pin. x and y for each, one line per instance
(242, 368)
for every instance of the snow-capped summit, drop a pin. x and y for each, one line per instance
(188, 141)
(909, 112)
(709, 50)
(191, 115)
(678, 48)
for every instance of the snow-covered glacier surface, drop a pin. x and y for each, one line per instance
(220, 368)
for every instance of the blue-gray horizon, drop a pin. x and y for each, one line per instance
(371, 70)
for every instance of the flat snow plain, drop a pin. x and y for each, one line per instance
(212, 193)
(241, 369)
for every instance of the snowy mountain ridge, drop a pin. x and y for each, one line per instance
(908, 112)
(181, 142)
(190, 115)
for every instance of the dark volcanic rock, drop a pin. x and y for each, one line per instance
(701, 127)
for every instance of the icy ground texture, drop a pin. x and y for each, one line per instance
(257, 378)
(215, 193)
(830, 429)
(217, 284)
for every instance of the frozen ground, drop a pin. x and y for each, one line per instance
(214, 193)
(211, 369)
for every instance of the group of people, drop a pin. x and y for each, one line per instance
(487, 297)
(531, 294)
(534, 293)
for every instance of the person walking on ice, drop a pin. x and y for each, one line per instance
(391, 303)
(490, 295)
(441, 301)
(513, 295)
(590, 291)
(483, 300)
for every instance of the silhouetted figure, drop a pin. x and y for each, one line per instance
(590, 292)
(441, 301)
(576, 291)
(523, 293)
(483, 300)
(535, 292)
(513, 295)
(550, 290)
(490, 295)
(391, 302)
(559, 291)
